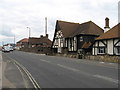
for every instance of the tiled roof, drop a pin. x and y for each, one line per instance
(34, 40)
(89, 28)
(67, 28)
(86, 45)
(17, 45)
(112, 33)
(71, 29)
(23, 40)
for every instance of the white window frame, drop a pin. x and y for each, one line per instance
(101, 50)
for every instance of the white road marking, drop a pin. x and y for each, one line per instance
(102, 62)
(106, 78)
(69, 68)
(45, 61)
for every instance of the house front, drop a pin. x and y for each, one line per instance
(73, 37)
(108, 43)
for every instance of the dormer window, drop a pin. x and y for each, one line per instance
(81, 39)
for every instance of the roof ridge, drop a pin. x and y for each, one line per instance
(85, 22)
(67, 22)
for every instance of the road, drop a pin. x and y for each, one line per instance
(62, 72)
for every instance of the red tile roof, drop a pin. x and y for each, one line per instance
(112, 33)
(23, 40)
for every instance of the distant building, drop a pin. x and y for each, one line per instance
(108, 43)
(75, 37)
(22, 43)
(43, 41)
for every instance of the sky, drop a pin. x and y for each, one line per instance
(17, 15)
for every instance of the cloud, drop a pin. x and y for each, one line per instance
(16, 15)
(6, 31)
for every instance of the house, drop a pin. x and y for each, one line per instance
(22, 43)
(108, 43)
(43, 41)
(40, 44)
(74, 37)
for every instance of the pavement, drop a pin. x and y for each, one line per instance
(12, 75)
(0, 70)
(62, 72)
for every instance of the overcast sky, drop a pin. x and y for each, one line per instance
(16, 15)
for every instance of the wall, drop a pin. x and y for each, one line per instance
(40, 50)
(110, 47)
(104, 58)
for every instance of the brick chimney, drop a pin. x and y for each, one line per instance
(47, 35)
(106, 28)
(41, 36)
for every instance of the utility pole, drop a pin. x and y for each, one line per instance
(45, 26)
(14, 41)
(29, 37)
(29, 31)
(2, 43)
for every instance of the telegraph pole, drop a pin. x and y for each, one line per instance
(29, 37)
(45, 26)
(14, 41)
(29, 31)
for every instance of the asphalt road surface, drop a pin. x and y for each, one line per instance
(61, 72)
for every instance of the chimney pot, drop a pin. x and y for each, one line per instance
(106, 24)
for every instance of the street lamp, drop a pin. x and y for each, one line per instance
(29, 37)
(29, 31)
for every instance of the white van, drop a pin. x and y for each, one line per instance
(6, 49)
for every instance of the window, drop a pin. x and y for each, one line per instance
(59, 34)
(117, 50)
(101, 50)
(81, 39)
(61, 40)
(70, 43)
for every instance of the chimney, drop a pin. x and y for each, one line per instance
(41, 36)
(47, 35)
(106, 24)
